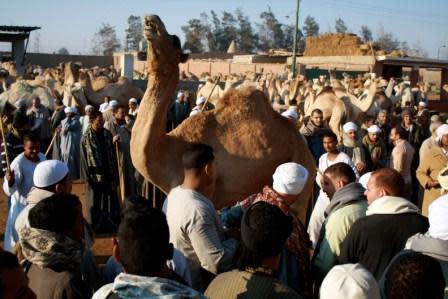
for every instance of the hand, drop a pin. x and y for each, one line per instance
(116, 139)
(360, 166)
(10, 178)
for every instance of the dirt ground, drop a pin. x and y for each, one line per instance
(103, 244)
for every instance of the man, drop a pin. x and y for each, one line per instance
(143, 248)
(430, 142)
(53, 248)
(13, 281)
(414, 131)
(122, 132)
(85, 119)
(313, 132)
(105, 105)
(331, 157)
(383, 122)
(289, 180)
(99, 169)
(179, 110)
(391, 219)
(70, 138)
(192, 219)
(264, 231)
(111, 110)
(18, 183)
(401, 156)
(376, 148)
(430, 166)
(347, 204)
(367, 122)
(353, 148)
(133, 107)
(41, 123)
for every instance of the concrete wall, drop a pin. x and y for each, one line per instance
(197, 67)
(51, 60)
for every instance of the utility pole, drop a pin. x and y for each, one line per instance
(294, 47)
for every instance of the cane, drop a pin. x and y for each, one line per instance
(120, 170)
(52, 142)
(5, 146)
(211, 92)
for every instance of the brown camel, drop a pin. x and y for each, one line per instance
(249, 138)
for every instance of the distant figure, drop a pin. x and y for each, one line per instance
(85, 119)
(133, 107)
(70, 136)
(104, 106)
(41, 123)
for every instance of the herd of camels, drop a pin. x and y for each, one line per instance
(249, 136)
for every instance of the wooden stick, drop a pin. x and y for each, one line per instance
(211, 92)
(120, 183)
(52, 142)
(6, 146)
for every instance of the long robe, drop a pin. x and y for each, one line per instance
(127, 170)
(70, 145)
(23, 174)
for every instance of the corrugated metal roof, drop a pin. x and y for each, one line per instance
(20, 29)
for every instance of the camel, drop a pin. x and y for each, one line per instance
(22, 90)
(98, 82)
(249, 138)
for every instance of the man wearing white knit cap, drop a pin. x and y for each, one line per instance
(50, 177)
(376, 147)
(289, 180)
(349, 281)
(291, 115)
(70, 142)
(133, 107)
(352, 147)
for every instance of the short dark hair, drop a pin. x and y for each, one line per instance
(414, 275)
(57, 213)
(197, 156)
(264, 231)
(368, 118)
(8, 261)
(143, 236)
(94, 115)
(329, 134)
(391, 180)
(400, 131)
(341, 171)
(31, 138)
(317, 110)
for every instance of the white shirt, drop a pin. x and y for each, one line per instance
(103, 107)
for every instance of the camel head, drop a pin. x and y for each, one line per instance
(164, 50)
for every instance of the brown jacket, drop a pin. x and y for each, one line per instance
(430, 166)
(49, 284)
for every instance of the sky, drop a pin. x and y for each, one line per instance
(72, 24)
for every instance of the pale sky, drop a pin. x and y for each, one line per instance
(72, 24)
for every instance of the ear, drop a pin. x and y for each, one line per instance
(170, 252)
(59, 188)
(339, 184)
(208, 168)
(383, 192)
(116, 250)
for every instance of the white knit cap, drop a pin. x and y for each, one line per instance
(69, 110)
(180, 94)
(194, 111)
(113, 103)
(88, 107)
(442, 130)
(350, 281)
(133, 100)
(290, 178)
(364, 179)
(423, 104)
(374, 129)
(349, 126)
(49, 172)
(438, 221)
(200, 100)
(291, 114)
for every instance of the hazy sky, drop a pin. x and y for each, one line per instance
(72, 24)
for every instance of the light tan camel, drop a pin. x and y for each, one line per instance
(249, 138)
(22, 90)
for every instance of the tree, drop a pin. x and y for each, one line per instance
(311, 27)
(194, 33)
(214, 33)
(387, 41)
(63, 51)
(134, 33)
(105, 41)
(270, 31)
(289, 38)
(366, 34)
(247, 40)
(340, 26)
(229, 31)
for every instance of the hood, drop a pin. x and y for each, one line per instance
(436, 248)
(37, 195)
(391, 205)
(135, 286)
(348, 194)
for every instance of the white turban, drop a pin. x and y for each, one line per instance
(194, 111)
(113, 103)
(364, 179)
(88, 107)
(349, 281)
(290, 178)
(69, 110)
(133, 100)
(180, 94)
(49, 172)
(423, 104)
(200, 100)
(442, 130)
(349, 126)
(438, 221)
(20, 103)
(291, 114)
(374, 129)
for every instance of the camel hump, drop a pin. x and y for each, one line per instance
(246, 100)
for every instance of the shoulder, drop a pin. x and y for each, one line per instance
(103, 292)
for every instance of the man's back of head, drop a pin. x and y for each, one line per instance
(197, 156)
(385, 182)
(143, 239)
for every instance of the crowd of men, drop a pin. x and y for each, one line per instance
(377, 226)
